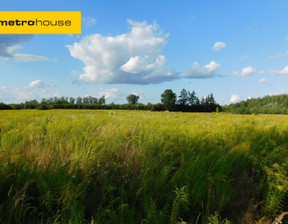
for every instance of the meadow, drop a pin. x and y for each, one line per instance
(97, 166)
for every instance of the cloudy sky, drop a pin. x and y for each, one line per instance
(233, 49)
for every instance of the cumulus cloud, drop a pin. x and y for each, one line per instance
(138, 64)
(133, 57)
(218, 46)
(283, 71)
(234, 98)
(9, 44)
(261, 81)
(247, 71)
(40, 84)
(3, 87)
(196, 71)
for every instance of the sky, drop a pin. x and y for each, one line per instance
(234, 49)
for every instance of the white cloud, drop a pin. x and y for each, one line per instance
(28, 57)
(218, 46)
(247, 71)
(108, 93)
(262, 81)
(19, 95)
(234, 98)
(138, 92)
(276, 56)
(89, 21)
(244, 56)
(3, 87)
(36, 84)
(117, 95)
(9, 44)
(283, 91)
(40, 84)
(139, 64)
(133, 57)
(284, 71)
(196, 71)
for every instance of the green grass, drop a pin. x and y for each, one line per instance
(141, 167)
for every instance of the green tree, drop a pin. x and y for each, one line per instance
(132, 99)
(193, 99)
(183, 98)
(71, 100)
(102, 100)
(210, 99)
(168, 98)
(78, 100)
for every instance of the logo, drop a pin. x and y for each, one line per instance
(40, 22)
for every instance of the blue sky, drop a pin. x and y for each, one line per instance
(233, 49)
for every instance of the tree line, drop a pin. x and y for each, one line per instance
(277, 104)
(186, 102)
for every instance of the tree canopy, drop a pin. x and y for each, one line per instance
(266, 105)
(168, 98)
(132, 99)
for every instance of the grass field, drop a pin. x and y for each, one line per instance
(73, 166)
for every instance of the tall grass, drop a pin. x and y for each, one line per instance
(141, 167)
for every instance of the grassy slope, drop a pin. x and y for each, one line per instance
(141, 167)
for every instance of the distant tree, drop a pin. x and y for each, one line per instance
(50, 100)
(132, 99)
(78, 100)
(193, 100)
(33, 104)
(4, 106)
(204, 100)
(149, 106)
(71, 100)
(168, 98)
(210, 99)
(85, 100)
(158, 107)
(183, 98)
(102, 100)
(94, 100)
(55, 99)
(43, 101)
(43, 107)
(63, 100)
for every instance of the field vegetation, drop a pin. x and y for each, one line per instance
(75, 166)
